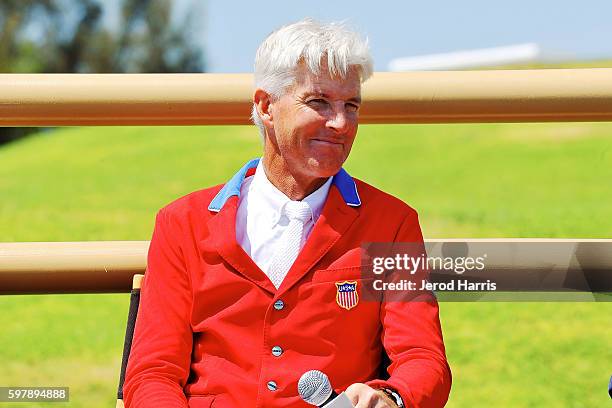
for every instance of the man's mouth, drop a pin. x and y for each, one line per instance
(328, 142)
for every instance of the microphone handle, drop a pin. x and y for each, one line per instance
(337, 401)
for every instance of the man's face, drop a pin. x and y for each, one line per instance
(315, 123)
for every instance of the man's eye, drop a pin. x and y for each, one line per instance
(317, 102)
(351, 107)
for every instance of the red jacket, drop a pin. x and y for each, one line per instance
(209, 318)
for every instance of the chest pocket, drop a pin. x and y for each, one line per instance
(336, 274)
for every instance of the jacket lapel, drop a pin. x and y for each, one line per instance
(334, 221)
(222, 238)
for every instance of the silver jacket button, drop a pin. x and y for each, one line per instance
(279, 304)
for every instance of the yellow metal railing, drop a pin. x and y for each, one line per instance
(210, 99)
(108, 266)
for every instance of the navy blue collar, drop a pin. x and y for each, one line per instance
(342, 180)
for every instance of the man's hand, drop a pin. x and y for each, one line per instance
(363, 396)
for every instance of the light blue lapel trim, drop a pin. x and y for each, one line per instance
(232, 187)
(342, 180)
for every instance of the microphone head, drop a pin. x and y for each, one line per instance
(314, 387)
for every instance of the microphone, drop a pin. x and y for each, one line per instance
(314, 388)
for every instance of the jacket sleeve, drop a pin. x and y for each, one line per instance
(412, 338)
(159, 361)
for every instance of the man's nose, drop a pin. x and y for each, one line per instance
(338, 120)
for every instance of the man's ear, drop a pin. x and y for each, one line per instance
(263, 102)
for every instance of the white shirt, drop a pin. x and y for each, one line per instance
(260, 221)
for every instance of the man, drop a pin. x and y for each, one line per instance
(243, 283)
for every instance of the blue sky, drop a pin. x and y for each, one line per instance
(230, 31)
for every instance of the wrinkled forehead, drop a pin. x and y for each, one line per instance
(324, 82)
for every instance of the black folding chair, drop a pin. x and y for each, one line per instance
(129, 333)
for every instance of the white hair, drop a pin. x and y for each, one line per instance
(313, 44)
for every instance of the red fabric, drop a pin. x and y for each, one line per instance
(207, 325)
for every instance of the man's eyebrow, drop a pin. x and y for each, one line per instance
(356, 99)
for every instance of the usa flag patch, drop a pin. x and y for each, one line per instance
(346, 294)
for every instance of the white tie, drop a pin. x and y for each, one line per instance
(298, 213)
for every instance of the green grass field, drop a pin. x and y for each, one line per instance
(498, 180)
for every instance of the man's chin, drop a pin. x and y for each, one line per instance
(324, 168)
